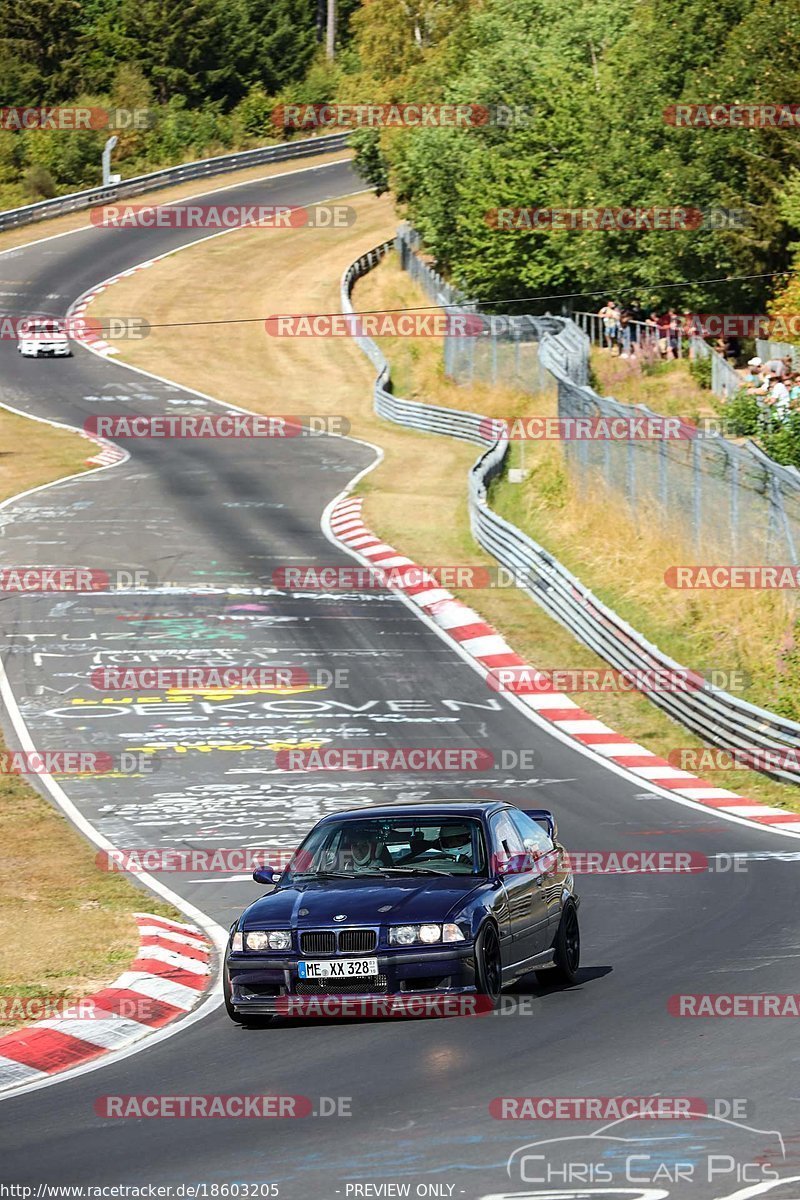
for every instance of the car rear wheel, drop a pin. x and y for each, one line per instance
(488, 963)
(567, 947)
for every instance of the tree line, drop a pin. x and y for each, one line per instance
(211, 71)
(597, 79)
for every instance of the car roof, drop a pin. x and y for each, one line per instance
(433, 808)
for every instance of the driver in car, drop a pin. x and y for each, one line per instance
(365, 852)
(455, 842)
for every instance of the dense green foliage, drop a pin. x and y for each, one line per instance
(599, 78)
(745, 417)
(596, 78)
(211, 70)
(700, 370)
(741, 414)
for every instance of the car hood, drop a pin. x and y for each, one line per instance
(362, 901)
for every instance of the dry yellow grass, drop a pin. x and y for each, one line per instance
(422, 512)
(65, 927)
(666, 387)
(33, 453)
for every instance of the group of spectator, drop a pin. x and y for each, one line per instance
(631, 331)
(776, 382)
(627, 331)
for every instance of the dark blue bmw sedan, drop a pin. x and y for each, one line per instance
(448, 898)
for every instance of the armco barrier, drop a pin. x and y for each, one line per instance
(138, 184)
(716, 716)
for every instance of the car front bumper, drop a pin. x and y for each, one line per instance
(57, 350)
(269, 984)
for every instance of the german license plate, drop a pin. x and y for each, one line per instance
(346, 968)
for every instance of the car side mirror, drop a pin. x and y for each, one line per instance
(266, 875)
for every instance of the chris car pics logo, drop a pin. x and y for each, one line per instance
(731, 1158)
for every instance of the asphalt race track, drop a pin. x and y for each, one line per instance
(205, 516)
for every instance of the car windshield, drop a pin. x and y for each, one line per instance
(390, 847)
(39, 327)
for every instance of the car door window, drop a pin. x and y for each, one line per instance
(535, 840)
(508, 845)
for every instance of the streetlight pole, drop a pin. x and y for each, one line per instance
(330, 45)
(108, 178)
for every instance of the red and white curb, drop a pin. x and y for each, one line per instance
(486, 646)
(78, 308)
(107, 455)
(165, 981)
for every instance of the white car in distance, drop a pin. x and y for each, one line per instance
(41, 337)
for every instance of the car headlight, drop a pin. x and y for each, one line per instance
(273, 939)
(236, 944)
(280, 939)
(403, 935)
(427, 935)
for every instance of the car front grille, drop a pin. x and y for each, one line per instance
(318, 941)
(341, 987)
(357, 941)
(341, 941)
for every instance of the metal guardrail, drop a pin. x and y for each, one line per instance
(14, 217)
(716, 716)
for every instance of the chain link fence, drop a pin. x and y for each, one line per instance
(504, 353)
(717, 716)
(767, 350)
(722, 497)
(725, 380)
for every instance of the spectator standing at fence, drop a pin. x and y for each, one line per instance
(662, 321)
(638, 316)
(609, 315)
(651, 334)
(775, 366)
(778, 398)
(625, 331)
(674, 334)
(752, 378)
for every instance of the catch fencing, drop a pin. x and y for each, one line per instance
(725, 380)
(201, 169)
(505, 353)
(767, 350)
(724, 497)
(647, 340)
(716, 716)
